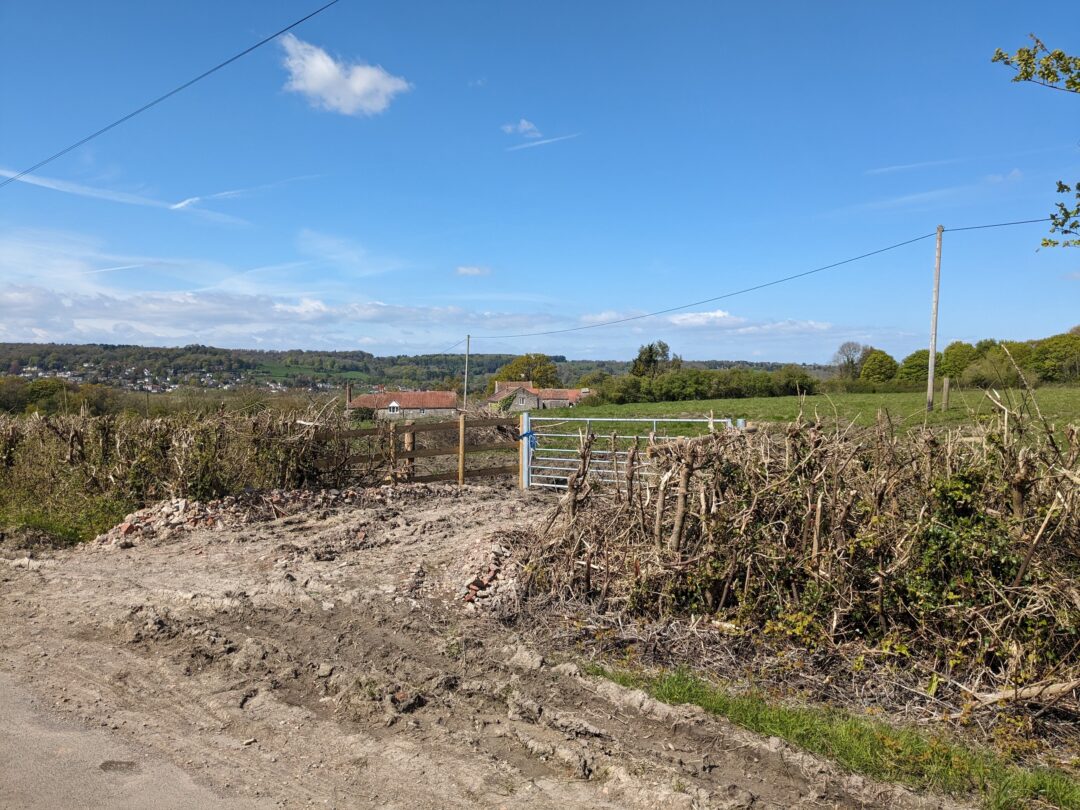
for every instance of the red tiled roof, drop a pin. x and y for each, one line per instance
(407, 399)
(506, 385)
(569, 394)
(508, 391)
(572, 395)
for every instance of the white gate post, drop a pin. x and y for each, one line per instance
(525, 451)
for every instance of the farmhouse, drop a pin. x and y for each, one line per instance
(524, 396)
(408, 404)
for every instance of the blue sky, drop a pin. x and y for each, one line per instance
(395, 175)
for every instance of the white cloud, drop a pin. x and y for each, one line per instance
(607, 316)
(903, 167)
(1015, 174)
(350, 89)
(34, 313)
(717, 317)
(85, 191)
(530, 144)
(236, 192)
(522, 127)
(127, 198)
(788, 327)
(342, 254)
(473, 270)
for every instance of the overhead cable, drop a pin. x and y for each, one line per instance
(160, 99)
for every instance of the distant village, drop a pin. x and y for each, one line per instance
(144, 380)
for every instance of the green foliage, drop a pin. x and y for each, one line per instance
(1039, 64)
(878, 366)
(78, 518)
(594, 379)
(698, 384)
(539, 368)
(1057, 358)
(957, 356)
(654, 359)
(996, 369)
(963, 547)
(1060, 71)
(916, 366)
(905, 755)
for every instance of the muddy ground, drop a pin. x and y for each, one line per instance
(327, 658)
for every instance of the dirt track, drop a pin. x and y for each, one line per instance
(325, 658)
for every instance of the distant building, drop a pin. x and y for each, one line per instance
(524, 396)
(408, 404)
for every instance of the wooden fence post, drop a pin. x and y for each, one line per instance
(408, 445)
(945, 394)
(461, 450)
(391, 452)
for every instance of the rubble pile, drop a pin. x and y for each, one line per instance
(169, 518)
(497, 585)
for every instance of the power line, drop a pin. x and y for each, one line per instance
(756, 287)
(447, 351)
(1000, 224)
(732, 294)
(160, 99)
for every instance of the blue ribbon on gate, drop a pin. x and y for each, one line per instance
(531, 436)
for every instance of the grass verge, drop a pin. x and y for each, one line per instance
(869, 747)
(63, 524)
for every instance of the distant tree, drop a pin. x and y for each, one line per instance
(13, 396)
(847, 359)
(455, 384)
(985, 345)
(915, 367)
(1059, 71)
(1075, 330)
(1020, 350)
(536, 367)
(996, 369)
(865, 353)
(878, 366)
(653, 359)
(594, 379)
(47, 395)
(1057, 358)
(791, 380)
(957, 356)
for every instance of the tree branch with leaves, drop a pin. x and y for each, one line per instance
(1056, 70)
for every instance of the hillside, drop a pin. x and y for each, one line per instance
(152, 368)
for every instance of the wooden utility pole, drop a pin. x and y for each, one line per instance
(465, 401)
(933, 322)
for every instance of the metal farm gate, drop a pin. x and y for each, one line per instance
(551, 445)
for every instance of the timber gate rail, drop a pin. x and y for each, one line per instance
(390, 451)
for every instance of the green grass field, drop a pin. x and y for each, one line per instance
(1060, 406)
